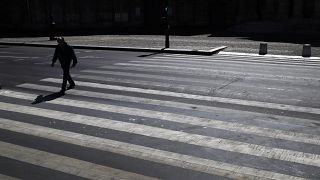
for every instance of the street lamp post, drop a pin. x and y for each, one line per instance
(52, 24)
(167, 25)
(28, 13)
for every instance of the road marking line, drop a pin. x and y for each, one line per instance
(19, 57)
(234, 67)
(267, 55)
(235, 73)
(145, 153)
(156, 102)
(305, 64)
(153, 84)
(65, 164)
(276, 89)
(5, 177)
(209, 82)
(141, 75)
(91, 57)
(234, 57)
(271, 58)
(205, 73)
(217, 87)
(45, 63)
(197, 97)
(18, 60)
(6, 52)
(194, 139)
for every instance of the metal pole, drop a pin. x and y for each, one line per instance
(52, 24)
(167, 31)
(28, 12)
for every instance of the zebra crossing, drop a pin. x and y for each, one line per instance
(166, 117)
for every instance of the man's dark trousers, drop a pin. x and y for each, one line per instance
(66, 77)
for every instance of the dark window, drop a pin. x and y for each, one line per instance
(105, 11)
(121, 13)
(308, 8)
(290, 13)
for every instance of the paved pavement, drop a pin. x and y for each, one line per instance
(276, 45)
(159, 116)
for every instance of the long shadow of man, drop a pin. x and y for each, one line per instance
(49, 97)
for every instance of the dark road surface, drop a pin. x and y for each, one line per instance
(159, 116)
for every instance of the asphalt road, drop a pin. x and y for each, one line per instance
(166, 116)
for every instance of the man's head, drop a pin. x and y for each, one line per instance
(60, 40)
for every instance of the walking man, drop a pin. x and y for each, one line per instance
(65, 54)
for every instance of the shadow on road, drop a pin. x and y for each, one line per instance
(147, 55)
(49, 97)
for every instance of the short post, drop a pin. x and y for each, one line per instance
(52, 28)
(52, 31)
(167, 41)
(263, 49)
(306, 50)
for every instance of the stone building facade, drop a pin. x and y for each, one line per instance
(145, 15)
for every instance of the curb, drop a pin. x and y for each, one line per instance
(134, 49)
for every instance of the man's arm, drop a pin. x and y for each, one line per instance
(55, 57)
(74, 57)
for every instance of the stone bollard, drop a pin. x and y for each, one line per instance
(263, 49)
(306, 50)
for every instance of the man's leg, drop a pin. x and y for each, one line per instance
(65, 79)
(70, 80)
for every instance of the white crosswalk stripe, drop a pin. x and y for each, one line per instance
(234, 54)
(299, 137)
(140, 75)
(210, 87)
(155, 155)
(168, 78)
(222, 60)
(173, 104)
(210, 142)
(197, 97)
(204, 73)
(207, 70)
(227, 68)
(4, 177)
(247, 57)
(160, 120)
(66, 164)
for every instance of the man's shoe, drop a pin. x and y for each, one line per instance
(71, 87)
(62, 92)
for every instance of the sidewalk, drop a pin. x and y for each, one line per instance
(198, 42)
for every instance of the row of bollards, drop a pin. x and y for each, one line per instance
(306, 49)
